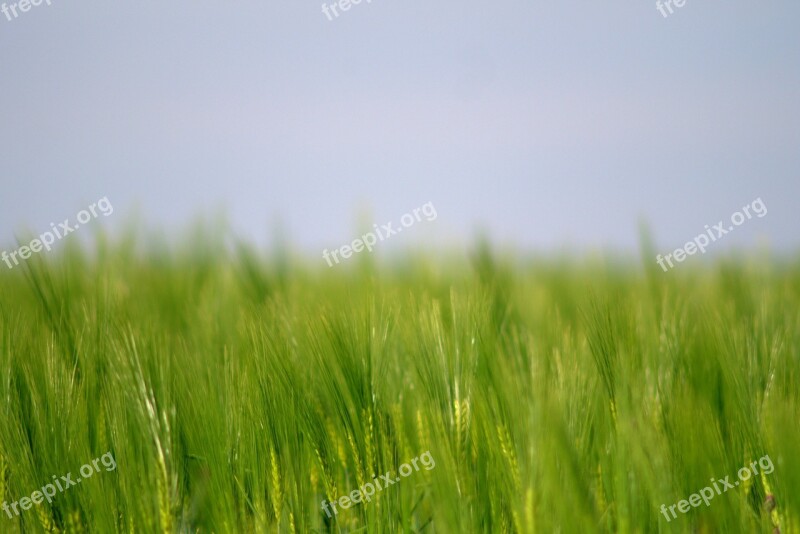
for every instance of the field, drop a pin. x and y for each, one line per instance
(240, 393)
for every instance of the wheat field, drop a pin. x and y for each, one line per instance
(240, 391)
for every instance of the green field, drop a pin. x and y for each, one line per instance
(236, 392)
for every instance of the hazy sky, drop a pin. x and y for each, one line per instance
(547, 123)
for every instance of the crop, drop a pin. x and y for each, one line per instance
(237, 392)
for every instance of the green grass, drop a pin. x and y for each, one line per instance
(237, 393)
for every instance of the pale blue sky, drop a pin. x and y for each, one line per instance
(546, 123)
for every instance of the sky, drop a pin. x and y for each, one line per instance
(544, 125)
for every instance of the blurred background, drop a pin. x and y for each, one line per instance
(548, 126)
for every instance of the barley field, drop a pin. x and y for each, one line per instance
(239, 391)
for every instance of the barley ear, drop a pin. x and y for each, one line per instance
(508, 451)
(771, 505)
(45, 519)
(74, 524)
(356, 459)
(369, 431)
(461, 416)
(276, 494)
(422, 431)
(529, 512)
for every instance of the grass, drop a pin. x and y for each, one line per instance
(236, 393)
